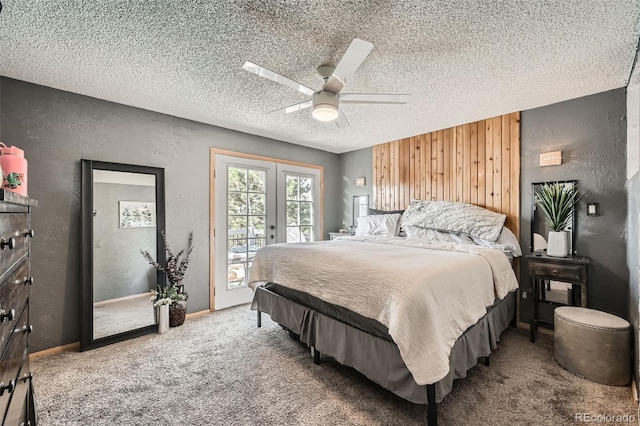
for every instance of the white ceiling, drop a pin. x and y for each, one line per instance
(461, 60)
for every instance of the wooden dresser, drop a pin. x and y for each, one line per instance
(16, 389)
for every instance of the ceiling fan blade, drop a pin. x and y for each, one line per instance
(373, 98)
(292, 108)
(354, 56)
(341, 121)
(263, 72)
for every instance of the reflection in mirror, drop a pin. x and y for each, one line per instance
(360, 207)
(540, 230)
(122, 213)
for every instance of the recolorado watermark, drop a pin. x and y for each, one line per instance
(605, 418)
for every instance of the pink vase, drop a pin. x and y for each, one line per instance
(14, 167)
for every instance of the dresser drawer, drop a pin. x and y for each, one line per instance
(17, 411)
(14, 242)
(14, 354)
(14, 293)
(572, 273)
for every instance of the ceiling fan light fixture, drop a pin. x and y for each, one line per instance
(325, 106)
(325, 112)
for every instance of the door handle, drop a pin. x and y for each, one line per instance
(272, 227)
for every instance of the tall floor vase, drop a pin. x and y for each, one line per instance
(163, 319)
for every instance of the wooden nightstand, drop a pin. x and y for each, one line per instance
(543, 268)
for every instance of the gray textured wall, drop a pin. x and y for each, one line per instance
(57, 129)
(591, 133)
(355, 164)
(119, 269)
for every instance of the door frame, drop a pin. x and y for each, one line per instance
(212, 187)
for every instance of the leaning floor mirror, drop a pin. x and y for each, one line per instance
(122, 213)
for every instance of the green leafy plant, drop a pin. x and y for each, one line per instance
(556, 201)
(166, 295)
(174, 268)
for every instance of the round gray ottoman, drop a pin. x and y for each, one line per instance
(593, 344)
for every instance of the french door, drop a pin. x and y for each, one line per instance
(257, 203)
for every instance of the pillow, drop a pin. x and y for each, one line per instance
(377, 211)
(433, 235)
(506, 242)
(461, 218)
(401, 230)
(379, 224)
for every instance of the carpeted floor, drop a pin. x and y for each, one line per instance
(220, 369)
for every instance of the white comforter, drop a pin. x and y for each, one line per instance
(426, 294)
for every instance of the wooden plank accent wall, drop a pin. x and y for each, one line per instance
(477, 163)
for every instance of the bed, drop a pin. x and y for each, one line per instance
(411, 313)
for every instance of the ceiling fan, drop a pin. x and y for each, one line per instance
(326, 101)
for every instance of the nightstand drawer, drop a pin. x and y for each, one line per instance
(571, 273)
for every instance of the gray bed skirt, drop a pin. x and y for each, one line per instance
(377, 358)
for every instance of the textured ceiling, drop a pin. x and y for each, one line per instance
(461, 60)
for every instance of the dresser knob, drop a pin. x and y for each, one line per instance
(10, 243)
(26, 376)
(29, 233)
(555, 271)
(27, 329)
(10, 387)
(28, 281)
(7, 315)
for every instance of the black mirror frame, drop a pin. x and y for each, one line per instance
(573, 219)
(88, 166)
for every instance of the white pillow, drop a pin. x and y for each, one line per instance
(378, 224)
(450, 216)
(433, 235)
(506, 242)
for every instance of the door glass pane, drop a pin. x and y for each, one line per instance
(256, 204)
(237, 223)
(246, 221)
(306, 189)
(306, 211)
(295, 235)
(257, 180)
(307, 233)
(237, 179)
(237, 202)
(292, 213)
(300, 206)
(292, 187)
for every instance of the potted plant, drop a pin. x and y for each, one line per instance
(556, 201)
(173, 290)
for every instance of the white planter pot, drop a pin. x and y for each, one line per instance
(558, 244)
(163, 319)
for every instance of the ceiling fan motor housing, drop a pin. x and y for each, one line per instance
(325, 105)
